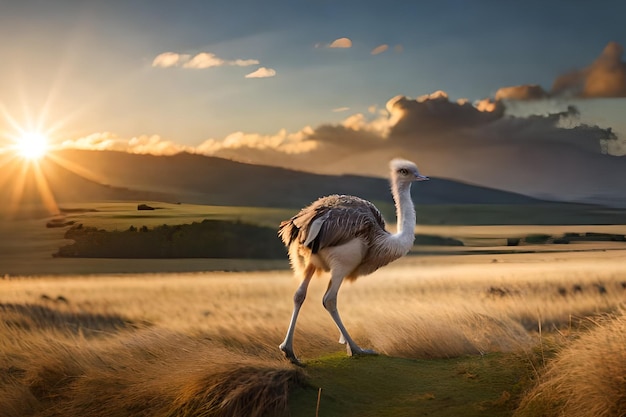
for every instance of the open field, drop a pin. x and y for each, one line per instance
(467, 334)
(28, 245)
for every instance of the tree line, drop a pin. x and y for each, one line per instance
(207, 239)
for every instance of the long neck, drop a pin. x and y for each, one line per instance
(405, 212)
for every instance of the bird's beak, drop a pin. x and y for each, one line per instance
(419, 177)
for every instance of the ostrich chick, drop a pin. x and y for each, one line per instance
(346, 235)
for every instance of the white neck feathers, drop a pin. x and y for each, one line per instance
(403, 239)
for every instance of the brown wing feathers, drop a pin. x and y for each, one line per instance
(342, 218)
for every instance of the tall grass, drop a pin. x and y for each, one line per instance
(206, 344)
(151, 372)
(587, 378)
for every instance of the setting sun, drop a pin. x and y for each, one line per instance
(32, 145)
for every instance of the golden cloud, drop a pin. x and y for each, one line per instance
(290, 143)
(262, 73)
(341, 43)
(143, 144)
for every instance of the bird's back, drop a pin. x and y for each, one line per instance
(332, 221)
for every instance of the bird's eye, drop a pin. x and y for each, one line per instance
(403, 171)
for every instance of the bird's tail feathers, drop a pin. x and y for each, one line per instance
(297, 259)
(287, 231)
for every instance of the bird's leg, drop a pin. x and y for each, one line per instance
(330, 303)
(298, 299)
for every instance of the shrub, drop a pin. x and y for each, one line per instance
(537, 239)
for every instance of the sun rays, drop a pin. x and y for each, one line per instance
(30, 181)
(32, 146)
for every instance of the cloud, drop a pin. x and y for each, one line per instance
(204, 60)
(435, 112)
(143, 144)
(262, 73)
(170, 59)
(283, 148)
(201, 60)
(379, 49)
(341, 109)
(357, 134)
(244, 62)
(605, 77)
(521, 92)
(341, 43)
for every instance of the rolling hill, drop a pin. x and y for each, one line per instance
(201, 179)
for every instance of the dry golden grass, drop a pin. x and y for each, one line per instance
(587, 378)
(206, 344)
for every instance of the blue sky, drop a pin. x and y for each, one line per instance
(84, 68)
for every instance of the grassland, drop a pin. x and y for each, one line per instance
(482, 329)
(458, 335)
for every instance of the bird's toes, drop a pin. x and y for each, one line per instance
(291, 356)
(357, 351)
(295, 361)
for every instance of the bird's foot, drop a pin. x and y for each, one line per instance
(357, 351)
(290, 355)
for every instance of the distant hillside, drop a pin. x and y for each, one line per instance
(208, 180)
(26, 189)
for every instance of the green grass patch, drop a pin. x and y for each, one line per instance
(489, 385)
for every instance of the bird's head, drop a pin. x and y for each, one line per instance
(405, 171)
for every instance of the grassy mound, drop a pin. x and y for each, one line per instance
(143, 373)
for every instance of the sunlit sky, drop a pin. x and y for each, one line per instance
(184, 71)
